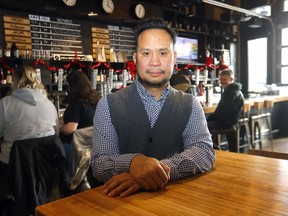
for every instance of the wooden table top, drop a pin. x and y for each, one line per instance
(240, 184)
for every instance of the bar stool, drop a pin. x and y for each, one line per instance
(231, 135)
(238, 136)
(255, 124)
(268, 106)
(243, 123)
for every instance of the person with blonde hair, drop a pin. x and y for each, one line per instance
(25, 113)
(26, 77)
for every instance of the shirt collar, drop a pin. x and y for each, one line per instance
(144, 94)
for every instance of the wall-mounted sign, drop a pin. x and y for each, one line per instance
(55, 37)
(122, 41)
(100, 44)
(17, 30)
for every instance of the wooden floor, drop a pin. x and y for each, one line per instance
(280, 145)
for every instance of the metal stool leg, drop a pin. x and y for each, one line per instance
(268, 118)
(245, 141)
(252, 133)
(258, 138)
(233, 140)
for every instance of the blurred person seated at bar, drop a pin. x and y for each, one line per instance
(82, 100)
(148, 133)
(26, 113)
(182, 81)
(228, 110)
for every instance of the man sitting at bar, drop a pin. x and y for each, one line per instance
(229, 108)
(149, 133)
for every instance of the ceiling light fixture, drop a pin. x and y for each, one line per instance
(92, 14)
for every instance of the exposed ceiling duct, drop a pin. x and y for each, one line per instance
(257, 3)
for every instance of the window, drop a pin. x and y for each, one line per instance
(263, 10)
(257, 64)
(285, 5)
(284, 36)
(284, 55)
(284, 75)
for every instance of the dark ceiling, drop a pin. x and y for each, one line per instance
(85, 6)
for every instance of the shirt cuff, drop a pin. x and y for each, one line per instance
(174, 175)
(122, 162)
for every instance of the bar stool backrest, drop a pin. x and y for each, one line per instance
(268, 105)
(246, 109)
(36, 165)
(79, 160)
(258, 105)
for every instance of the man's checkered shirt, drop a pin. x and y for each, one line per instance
(198, 155)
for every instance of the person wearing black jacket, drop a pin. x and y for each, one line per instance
(182, 81)
(229, 108)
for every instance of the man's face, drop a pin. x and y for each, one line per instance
(154, 58)
(225, 81)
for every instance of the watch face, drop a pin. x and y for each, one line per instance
(108, 6)
(69, 2)
(140, 11)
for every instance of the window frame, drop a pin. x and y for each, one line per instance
(284, 46)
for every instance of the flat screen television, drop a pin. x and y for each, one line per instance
(187, 49)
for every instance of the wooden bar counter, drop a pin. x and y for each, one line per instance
(240, 184)
(277, 98)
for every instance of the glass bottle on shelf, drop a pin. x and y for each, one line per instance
(1, 52)
(3, 80)
(54, 78)
(94, 75)
(14, 52)
(6, 51)
(9, 77)
(115, 76)
(125, 77)
(99, 76)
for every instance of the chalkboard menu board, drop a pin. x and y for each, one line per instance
(55, 37)
(122, 40)
(47, 37)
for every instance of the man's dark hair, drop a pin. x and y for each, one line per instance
(80, 88)
(153, 23)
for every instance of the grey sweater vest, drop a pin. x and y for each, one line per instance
(129, 117)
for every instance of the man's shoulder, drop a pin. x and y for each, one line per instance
(180, 94)
(235, 86)
(121, 97)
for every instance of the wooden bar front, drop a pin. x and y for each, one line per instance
(277, 98)
(240, 184)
